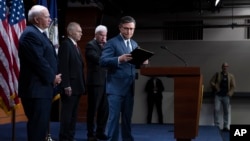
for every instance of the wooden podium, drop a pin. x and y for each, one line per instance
(187, 98)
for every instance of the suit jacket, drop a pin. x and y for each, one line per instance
(71, 66)
(150, 86)
(38, 64)
(120, 76)
(96, 75)
(216, 81)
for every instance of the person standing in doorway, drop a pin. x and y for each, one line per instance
(96, 80)
(71, 65)
(154, 89)
(223, 85)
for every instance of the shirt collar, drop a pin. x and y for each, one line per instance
(74, 42)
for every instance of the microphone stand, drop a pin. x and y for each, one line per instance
(176, 55)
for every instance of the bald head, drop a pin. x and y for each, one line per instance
(74, 31)
(225, 64)
(224, 67)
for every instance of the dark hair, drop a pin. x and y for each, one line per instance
(127, 19)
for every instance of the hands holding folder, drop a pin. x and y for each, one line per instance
(125, 58)
(138, 56)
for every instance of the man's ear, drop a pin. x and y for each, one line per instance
(36, 20)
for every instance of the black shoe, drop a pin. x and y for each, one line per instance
(102, 137)
(225, 130)
(92, 138)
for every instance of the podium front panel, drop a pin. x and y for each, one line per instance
(187, 97)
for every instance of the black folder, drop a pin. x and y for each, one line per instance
(140, 55)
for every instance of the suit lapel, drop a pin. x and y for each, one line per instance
(49, 42)
(123, 47)
(96, 44)
(78, 52)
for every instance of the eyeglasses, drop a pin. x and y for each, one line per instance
(127, 28)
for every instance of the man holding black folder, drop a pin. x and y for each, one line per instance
(120, 79)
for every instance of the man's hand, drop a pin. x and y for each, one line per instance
(58, 79)
(68, 91)
(125, 58)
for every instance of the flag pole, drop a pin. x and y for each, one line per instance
(13, 121)
(49, 138)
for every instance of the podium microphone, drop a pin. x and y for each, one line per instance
(176, 55)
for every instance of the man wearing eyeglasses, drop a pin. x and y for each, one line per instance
(120, 79)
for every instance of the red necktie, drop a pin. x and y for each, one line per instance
(77, 48)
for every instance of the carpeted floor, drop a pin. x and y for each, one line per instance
(141, 132)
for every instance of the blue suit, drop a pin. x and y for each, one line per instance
(38, 68)
(119, 87)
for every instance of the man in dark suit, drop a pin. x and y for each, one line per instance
(154, 89)
(71, 66)
(120, 79)
(96, 80)
(38, 73)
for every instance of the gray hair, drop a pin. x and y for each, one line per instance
(127, 19)
(35, 11)
(101, 28)
(71, 26)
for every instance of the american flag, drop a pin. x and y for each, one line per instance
(12, 24)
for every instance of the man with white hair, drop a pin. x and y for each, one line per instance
(223, 85)
(96, 80)
(38, 73)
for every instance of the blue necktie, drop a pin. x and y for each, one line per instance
(128, 46)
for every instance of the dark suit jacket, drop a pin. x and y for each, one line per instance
(71, 66)
(150, 86)
(96, 75)
(120, 77)
(38, 64)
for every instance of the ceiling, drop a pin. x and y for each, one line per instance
(150, 14)
(169, 6)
